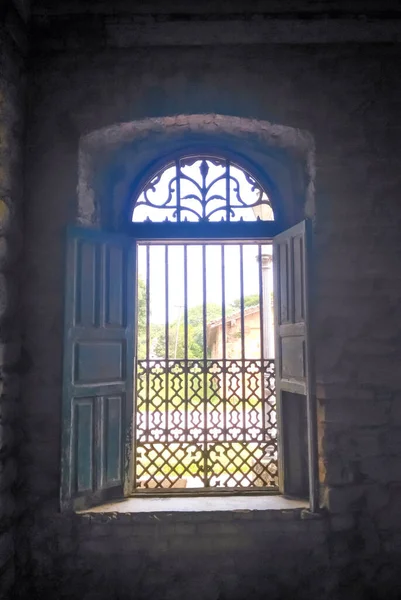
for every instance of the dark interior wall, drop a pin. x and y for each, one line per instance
(299, 7)
(12, 108)
(347, 97)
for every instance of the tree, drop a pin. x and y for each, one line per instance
(141, 318)
(235, 306)
(177, 333)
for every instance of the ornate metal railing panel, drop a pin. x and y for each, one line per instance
(205, 410)
(206, 424)
(202, 188)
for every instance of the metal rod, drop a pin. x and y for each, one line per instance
(177, 329)
(228, 190)
(147, 333)
(223, 337)
(166, 362)
(262, 338)
(147, 428)
(203, 190)
(242, 312)
(186, 335)
(178, 187)
(204, 323)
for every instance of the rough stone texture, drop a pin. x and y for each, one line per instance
(124, 24)
(348, 99)
(12, 108)
(220, 555)
(108, 157)
(181, 7)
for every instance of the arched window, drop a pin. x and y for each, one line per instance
(192, 402)
(202, 188)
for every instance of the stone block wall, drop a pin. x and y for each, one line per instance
(229, 555)
(233, 555)
(12, 108)
(347, 97)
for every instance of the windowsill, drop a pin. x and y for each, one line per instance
(199, 504)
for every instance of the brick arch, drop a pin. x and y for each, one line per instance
(114, 159)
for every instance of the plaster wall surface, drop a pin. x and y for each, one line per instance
(316, 8)
(12, 108)
(348, 98)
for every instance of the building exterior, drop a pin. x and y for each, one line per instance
(233, 331)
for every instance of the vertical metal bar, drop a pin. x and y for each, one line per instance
(203, 175)
(262, 340)
(224, 340)
(227, 190)
(178, 188)
(147, 342)
(186, 338)
(242, 305)
(311, 407)
(204, 317)
(166, 351)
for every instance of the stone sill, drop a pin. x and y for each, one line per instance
(235, 507)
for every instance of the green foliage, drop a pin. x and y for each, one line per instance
(176, 332)
(141, 318)
(251, 300)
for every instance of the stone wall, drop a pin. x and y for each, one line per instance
(12, 106)
(233, 555)
(281, 157)
(124, 24)
(347, 97)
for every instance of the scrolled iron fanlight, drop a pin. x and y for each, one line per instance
(202, 188)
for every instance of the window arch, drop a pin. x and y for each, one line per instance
(104, 313)
(202, 188)
(116, 161)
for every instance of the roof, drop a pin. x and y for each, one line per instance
(250, 310)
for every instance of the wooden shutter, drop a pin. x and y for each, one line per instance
(98, 368)
(296, 410)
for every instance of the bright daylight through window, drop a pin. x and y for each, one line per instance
(177, 379)
(205, 409)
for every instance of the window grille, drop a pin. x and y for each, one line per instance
(202, 189)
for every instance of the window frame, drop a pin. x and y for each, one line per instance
(250, 231)
(257, 231)
(206, 149)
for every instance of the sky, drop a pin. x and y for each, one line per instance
(165, 192)
(195, 281)
(163, 195)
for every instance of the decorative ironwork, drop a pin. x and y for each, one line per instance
(205, 384)
(202, 188)
(206, 422)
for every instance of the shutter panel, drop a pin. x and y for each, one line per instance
(98, 368)
(296, 410)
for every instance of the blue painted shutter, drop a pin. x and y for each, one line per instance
(296, 411)
(98, 368)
